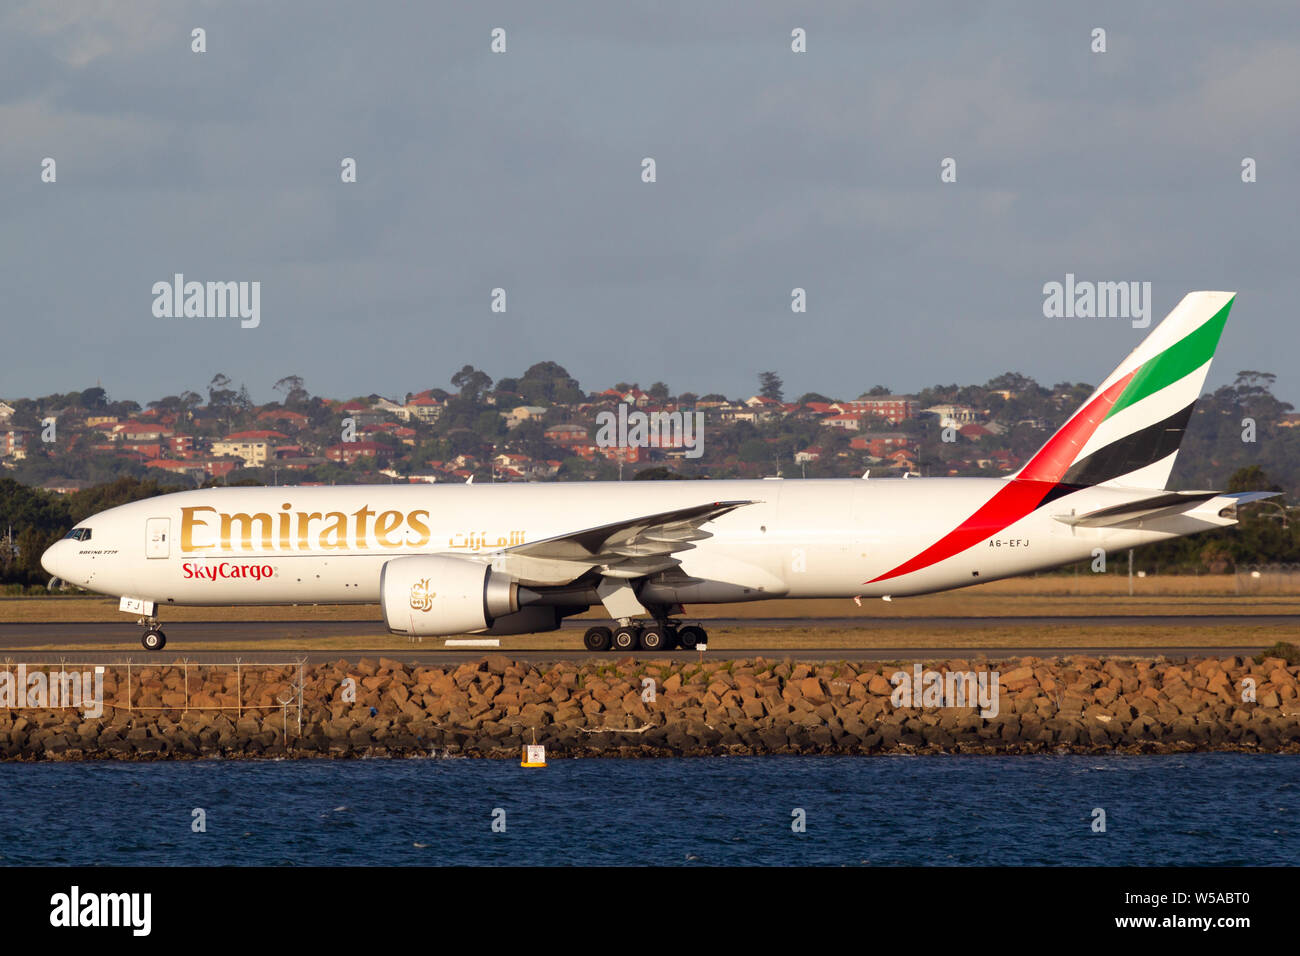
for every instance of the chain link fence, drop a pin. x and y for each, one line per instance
(1268, 578)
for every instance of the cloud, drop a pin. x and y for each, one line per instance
(819, 170)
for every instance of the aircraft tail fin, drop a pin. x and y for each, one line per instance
(1128, 431)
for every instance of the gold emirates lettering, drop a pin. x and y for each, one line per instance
(203, 528)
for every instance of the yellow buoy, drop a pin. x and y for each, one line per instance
(534, 756)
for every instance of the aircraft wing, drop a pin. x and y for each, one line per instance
(630, 548)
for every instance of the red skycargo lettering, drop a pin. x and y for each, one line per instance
(211, 572)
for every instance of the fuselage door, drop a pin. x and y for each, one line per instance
(158, 532)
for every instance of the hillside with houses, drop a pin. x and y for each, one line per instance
(543, 425)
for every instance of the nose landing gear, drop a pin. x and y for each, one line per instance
(153, 638)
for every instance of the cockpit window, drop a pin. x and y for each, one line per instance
(79, 534)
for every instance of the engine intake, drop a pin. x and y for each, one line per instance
(435, 595)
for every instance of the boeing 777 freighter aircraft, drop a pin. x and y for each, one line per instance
(517, 558)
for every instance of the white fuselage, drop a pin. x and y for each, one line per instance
(799, 538)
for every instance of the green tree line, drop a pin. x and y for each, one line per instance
(31, 520)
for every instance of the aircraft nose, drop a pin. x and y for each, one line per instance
(50, 560)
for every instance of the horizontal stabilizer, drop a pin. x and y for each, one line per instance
(1165, 505)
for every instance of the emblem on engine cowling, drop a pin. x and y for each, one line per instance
(421, 596)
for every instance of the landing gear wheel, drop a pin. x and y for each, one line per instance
(690, 635)
(154, 640)
(627, 638)
(597, 639)
(671, 639)
(654, 638)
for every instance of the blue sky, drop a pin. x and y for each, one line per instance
(522, 171)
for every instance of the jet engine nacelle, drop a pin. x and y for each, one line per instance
(531, 620)
(438, 595)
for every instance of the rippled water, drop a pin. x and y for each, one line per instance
(1194, 809)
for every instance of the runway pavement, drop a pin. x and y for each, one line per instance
(443, 657)
(71, 640)
(97, 632)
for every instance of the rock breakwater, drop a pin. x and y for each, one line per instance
(645, 708)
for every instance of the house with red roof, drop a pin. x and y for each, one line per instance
(889, 408)
(566, 434)
(846, 421)
(423, 408)
(285, 418)
(349, 452)
(254, 448)
(884, 444)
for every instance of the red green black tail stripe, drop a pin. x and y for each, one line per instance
(1022, 494)
(1146, 446)
(1057, 470)
(1182, 358)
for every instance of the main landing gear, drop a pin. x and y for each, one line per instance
(633, 636)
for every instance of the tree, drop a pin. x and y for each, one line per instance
(549, 383)
(1216, 556)
(220, 394)
(1011, 381)
(657, 473)
(1250, 382)
(770, 386)
(529, 438)
(37, 520)
(1251, 478)
(755, 450)
(292, 388)
(489, 424)
(83, 504)
(168, 403)
(94, 399)
(472, 383)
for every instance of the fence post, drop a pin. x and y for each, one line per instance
(129, 707)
